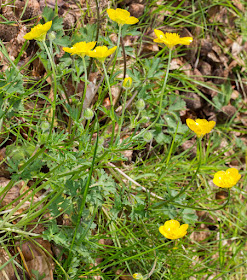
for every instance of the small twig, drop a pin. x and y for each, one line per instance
(134, 182)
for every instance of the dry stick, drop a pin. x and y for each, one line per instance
(134, 182)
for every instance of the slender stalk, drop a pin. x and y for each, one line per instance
(125, 68)
(122, 116)
(112, 115)
(105, 264)
(84, 198)
(161, 97)
(53, 67)
(97, 35)
(118, 44)
(82, 98)
(85, 88)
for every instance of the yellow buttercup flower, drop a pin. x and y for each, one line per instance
(172, 229)
(38, 32)
(81, 48)
(171, 39)
(121, 16)
(101, 52)
(127, 82)
(200, 126)
(226, 179)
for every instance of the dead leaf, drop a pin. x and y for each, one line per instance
(205, 68)
(227, 112)
(190, 145)
(32, 10)
(136, 10)
(239, 5)
(12, 194)
(236, 48)
(206, 46)
(193, 101)
(15, 44)
(8, 31)
(115, 91)
(200, 236)
(149, 46)
(90, 93)
(8, 271)
(37, 259)
(221, 195)
(3, 166)
(51, 3)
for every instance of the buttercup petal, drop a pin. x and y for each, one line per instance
(172, 229)
(226, 179)
(184, 227)
(159, 34)
(68, 50)
(122, 13)
(132, 20)
(200, 126)
(186, 40)
(171, 225)
(111, 51)
(121, 16)
(191, 124)
(111, 13)
(171, 39)
(211, 124)
(38, 32)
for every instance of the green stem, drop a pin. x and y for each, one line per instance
(84, 198)
(118, 44)
(161, 97)
(85, 88)
(122, 116)
(105, 264)
(82, 98)
(53, 67)
(112, 115)
(183, 190)
(200, 156)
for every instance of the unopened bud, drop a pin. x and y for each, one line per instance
(137, 276)
(148, 136)
(52, 36)
(140, 104)
(127, 82)
(88, 114)
(45, 126)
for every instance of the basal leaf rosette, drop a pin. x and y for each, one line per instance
(81, 48)
(101, 52)
(226, 179)
(171, 39)
(121, 16)
(172, 229)
(200, 126)
(38, 32)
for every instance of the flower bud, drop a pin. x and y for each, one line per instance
(127, 82)
(45, 126)
(88, 114)
(140, 104)
(137, 276)
(52, 36)
(148, 136)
